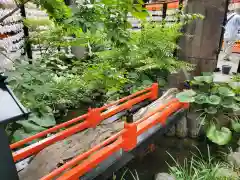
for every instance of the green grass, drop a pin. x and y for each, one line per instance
(200, 168)
(133, 174)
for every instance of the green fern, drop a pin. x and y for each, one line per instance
(155, 47)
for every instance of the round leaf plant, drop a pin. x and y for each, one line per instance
(219, 136)
(186, 96)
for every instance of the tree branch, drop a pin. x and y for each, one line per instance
(12, 12)
(16, 3)
(6, 56)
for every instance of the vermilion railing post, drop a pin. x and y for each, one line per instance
(129, 136)
(154, 91)
(94, 117)
(186, 105)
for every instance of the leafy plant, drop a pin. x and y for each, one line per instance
(236, 124)
(104, 76)
(236, 78)
(220, 137)
(189, 96)
(29, 84)
(213, 101)
(109, 17)
(32, 126)
(155, 47)
(48, 37)
(57, 10)
(148, 55)
(44, 93)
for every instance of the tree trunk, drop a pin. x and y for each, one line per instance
(201, 49)
(201, 42)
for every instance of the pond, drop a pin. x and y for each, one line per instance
(157, 161)
(180, 149)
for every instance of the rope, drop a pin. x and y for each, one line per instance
(200, 58)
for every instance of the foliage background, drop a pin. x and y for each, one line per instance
(118, 60)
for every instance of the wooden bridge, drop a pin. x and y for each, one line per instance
(114, 152)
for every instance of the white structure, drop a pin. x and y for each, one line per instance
(11, 34)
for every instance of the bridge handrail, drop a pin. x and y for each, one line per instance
(125, 139)
(91, 119)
